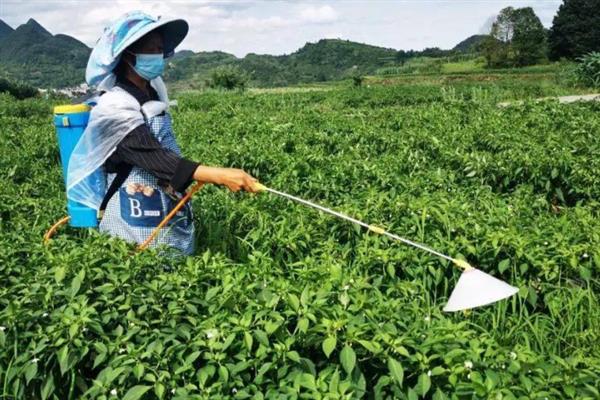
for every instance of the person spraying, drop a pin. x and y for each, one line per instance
(130, 138)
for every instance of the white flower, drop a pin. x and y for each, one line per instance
(2, 328)
(35, 360)
(173, 391)
(234, 390)
(545, 243)
(468, 365)
(426, 318)
(429, 373)
(585, 255)
(468, 376)
(45, 314)
(113, 392)
(121, 351)
(211, 333)
(513, 355)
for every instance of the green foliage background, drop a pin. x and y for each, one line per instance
(282, 302)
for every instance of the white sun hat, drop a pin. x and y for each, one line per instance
(122, 33)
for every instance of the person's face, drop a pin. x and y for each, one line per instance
(151, 43)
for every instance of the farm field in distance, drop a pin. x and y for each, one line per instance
(281, 301)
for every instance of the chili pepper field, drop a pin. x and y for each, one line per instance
(282, 302)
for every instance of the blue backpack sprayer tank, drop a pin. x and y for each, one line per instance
(70, 122)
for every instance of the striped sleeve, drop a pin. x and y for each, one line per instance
(140, 149)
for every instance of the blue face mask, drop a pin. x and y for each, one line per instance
(149, 66)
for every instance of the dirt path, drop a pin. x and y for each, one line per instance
(562, 99)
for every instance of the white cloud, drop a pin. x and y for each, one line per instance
(318, 15)
(245, 24)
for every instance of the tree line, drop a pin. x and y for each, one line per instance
(517, 37)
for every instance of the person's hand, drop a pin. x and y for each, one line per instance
(235, 179)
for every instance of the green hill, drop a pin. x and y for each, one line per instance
(327, 59)
(32, 54)
(5, 29)
(470, 44)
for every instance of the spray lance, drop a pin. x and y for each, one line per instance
(474, 288)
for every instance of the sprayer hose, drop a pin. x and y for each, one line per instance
(55, 227)
(165, 220)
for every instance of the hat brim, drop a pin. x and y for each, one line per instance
(173, 31)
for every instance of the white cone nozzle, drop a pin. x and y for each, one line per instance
(476, 288)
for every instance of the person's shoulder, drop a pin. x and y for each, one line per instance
(118, 99)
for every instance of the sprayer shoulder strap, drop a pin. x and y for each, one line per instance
(123, 171)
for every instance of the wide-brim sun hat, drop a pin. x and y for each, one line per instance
(125, 31)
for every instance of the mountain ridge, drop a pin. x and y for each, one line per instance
(32, 54)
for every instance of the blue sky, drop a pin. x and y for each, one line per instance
(281, 27)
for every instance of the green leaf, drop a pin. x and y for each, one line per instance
(329, 345)
(412, 395)
(138, 370)
(262, 337)
(48, 387)
(212, 292)
(308, 381)
(248, 340)
(294, 302)
(334, 381)
(59, 274)
(136, 392)
(303, 325)
(439, 395)
(223, 373)
(503, 265)
(63, 359)
(192, 357)
(348, 359)
(293, 355)
(396, 370)
(423, 384)
(99, 358)
(373, 347)
(30, 371)
(159, 390)
(75, 285)
(585, 273)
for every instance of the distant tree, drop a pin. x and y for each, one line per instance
(17, 89)
(575, 29)
(402, 56)
(496, 47)
(529, 43)
(227, 77)
(517, 38)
